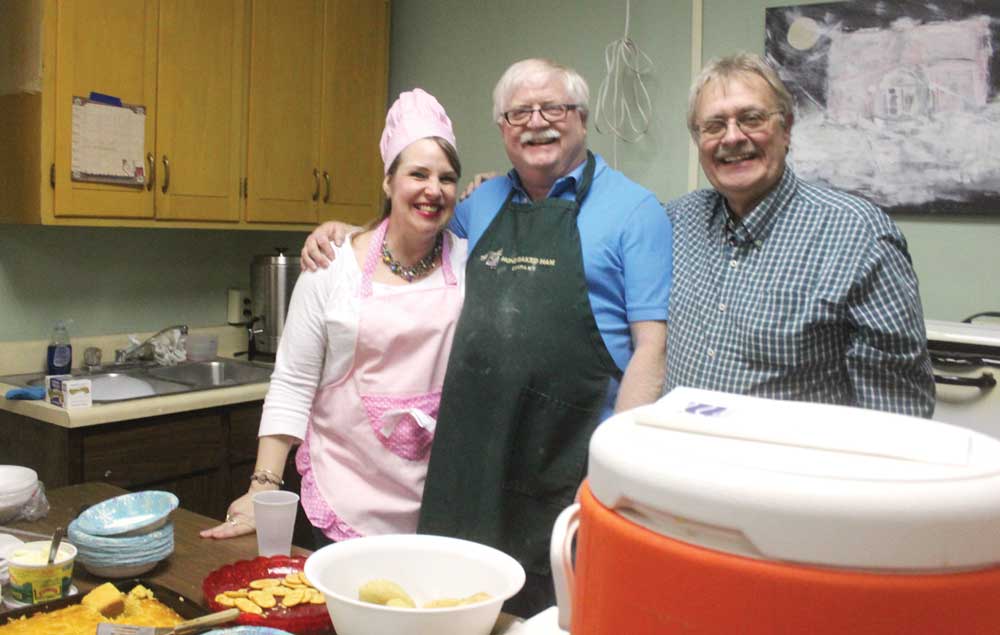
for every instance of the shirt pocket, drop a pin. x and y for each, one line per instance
(783, 328)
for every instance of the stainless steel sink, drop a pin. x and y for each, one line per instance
(222, 372)
(131, 382)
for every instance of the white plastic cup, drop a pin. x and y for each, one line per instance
(274, 513)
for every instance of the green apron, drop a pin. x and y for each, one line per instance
(527, 381)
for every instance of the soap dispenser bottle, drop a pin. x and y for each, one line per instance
(60, 355)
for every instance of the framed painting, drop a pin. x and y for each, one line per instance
(895, 101)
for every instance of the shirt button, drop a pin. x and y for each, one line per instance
(734, 265)
(722, 307)
(711, 353)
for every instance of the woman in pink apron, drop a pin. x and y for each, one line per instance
(362, 357)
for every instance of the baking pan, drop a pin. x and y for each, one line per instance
(185, 607)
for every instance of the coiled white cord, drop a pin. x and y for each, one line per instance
(623, 105)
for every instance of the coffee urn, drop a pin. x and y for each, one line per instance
(272, 278)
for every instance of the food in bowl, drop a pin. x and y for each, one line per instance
(388, 593)
(33, 579)
(428, 568)
(104, 604)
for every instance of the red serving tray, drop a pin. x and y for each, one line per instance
(304, 619)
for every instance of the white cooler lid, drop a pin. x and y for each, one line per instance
(800, 482)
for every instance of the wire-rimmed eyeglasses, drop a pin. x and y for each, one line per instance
(549, 112)
(749, 122)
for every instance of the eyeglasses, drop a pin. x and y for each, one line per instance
(749, 122)
(549, 112)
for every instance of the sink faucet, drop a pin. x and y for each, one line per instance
(141, 351)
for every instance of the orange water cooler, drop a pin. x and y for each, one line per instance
(714, 514)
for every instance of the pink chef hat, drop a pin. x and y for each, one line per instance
(415, 115)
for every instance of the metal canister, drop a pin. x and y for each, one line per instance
(272, 278)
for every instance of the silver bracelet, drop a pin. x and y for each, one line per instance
(266, 477)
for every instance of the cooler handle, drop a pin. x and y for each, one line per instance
(561, 558)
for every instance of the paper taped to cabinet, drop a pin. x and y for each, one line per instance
(108, 143)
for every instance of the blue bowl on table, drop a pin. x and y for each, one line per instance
(128, 515)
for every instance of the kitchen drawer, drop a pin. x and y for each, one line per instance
(133, 454)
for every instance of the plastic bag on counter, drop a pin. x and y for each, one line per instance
(167, 347)
(35, 507)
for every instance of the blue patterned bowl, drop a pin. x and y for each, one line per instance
(129, 514)
(119, 544)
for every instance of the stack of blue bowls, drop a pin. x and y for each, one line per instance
(124, 536)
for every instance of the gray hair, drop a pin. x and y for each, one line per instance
(732, 67)
(521, 72)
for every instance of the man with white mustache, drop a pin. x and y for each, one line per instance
(564, 322)
(785, 289)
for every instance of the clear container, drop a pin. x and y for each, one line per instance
(201, 347)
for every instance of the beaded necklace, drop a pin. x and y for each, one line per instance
(410, 273)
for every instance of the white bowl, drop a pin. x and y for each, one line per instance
(17, 486)
(428, 568)
(16, 478)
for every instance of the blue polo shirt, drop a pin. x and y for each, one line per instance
(625, 236)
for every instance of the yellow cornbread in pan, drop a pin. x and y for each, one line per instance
(104, 604)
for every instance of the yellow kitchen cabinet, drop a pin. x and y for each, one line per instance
(107, 46)
(182, 60)
(318, 71)
(200, 104)
(354, 104)
(188, 62)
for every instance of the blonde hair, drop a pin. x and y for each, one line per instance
(521, 72)
(732, 67)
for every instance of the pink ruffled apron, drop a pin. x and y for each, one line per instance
(364, 459)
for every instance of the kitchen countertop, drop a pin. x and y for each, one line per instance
(194, 557)
(133, 408)
(14, 356)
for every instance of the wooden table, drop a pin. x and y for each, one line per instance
(194, 557)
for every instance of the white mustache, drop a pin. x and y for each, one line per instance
(529, 136)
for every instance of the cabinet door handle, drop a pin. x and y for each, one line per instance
(107, 473)
(326, 177)
(315, 196)
(151, 177)
(166, 174)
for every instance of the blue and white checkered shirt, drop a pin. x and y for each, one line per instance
(812, 297)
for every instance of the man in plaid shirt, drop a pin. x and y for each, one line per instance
(783, 289)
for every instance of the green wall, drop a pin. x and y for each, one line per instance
(124, 280)
(457, 49)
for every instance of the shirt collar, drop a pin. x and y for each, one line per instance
(756, 226)
(563, 186)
